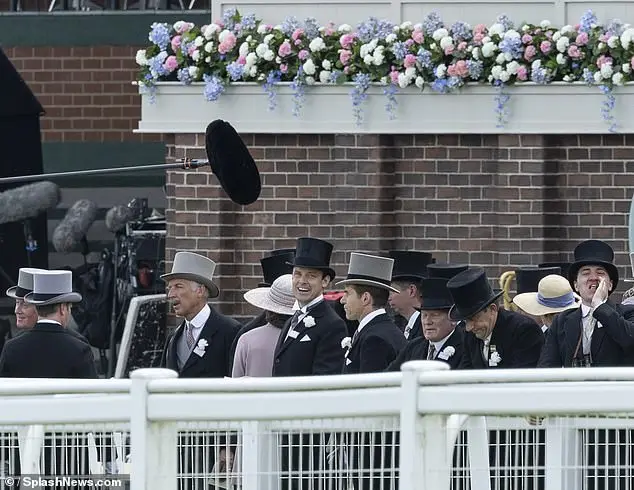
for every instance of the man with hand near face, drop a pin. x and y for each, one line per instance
(597, 333)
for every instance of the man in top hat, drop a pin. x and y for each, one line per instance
(25, 313)
(377, 340)
(494, 337)
(273, 266)
(554, 295)
(254, 353)
(597, 333)
(410, 269)
(200, 346)
(48, 349)
(310, 343)
(441, 339)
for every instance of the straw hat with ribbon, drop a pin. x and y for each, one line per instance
(553, 295)
(278, 298)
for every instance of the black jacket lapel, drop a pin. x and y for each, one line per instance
(572, 332)
(316, 312)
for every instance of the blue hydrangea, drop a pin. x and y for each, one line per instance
(358, 95)
(424, 58)
(157, 68)
(160, 35)
(311, 28)
(400, 50)
(229, 18)
(475, 69)
(505, 21)
(248, 22)
(374, 28)
(512, 46)
(235, 71)
(432, 22)
(587, 21)
(461, 31)
(214, 87)
(184, 76)
(289, 25)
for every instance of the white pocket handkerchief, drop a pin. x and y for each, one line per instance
(348, 361)
(293, 334)
(305, 338)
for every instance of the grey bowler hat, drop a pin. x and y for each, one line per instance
(25, 283)
(52, 287)
(370, 270)
(194, 267)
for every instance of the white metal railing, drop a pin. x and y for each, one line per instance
(424, 428)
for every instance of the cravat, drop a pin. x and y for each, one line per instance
(432, 352)
(189, 335)
(407, 331)
(485, 350)
(588, 324)
(294, 322)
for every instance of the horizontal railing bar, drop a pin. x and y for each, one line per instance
(286, 384)
(50, 386)
(271, 406)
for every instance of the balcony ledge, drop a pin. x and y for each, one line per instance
(557, 108)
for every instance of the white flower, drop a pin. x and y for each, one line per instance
(208, 59)
(261, 49)
(556, 36)
(536, 64)
(626, 68)
(261, 29)
(561, 59)
(627, 37)
(390, 38)
(618, 79)
(544, 24)
(495, 358)
(309, 321)
(253, 71)
(406, 25)
(606, 70)
(500, 58)
(368, 59)
(346, 343)
(486, 39)
(196, 55)
(366, 49)
(403, 80)
(141, 58)
(613, 41)
(193, 71)
(567, 78)
(476, 53)
(223, 35)
(309, 67)
(344, 29)
(446, 42)
(567, 29)
(447, 352)
(420, 82)
(601, 47)
(378, 56)
(278, 60)
(324, 76)
(488, 49)
(269, 55)
(202, 343)
(199, 41)
(496, 72)
(310, 81)
(210, 30)
(326, 65)
(396, 29)
(317, 45)
(526, 28)
(505, 76)
(440, 71)
(244, 49)
(267, 39)
(597, 77)
(496, 29)
(209, 47)
(511, 34)
(251, 59)
(562, 44)
(512, 67)
(201, 347)
(439, 34)
(249, 38)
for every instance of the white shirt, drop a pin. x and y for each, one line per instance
(47, 320)
(588, 323)
(411, 323)
(438, 345)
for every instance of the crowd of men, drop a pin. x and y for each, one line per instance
(388, 310)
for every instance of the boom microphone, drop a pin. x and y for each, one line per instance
(117, 217)
(71, 231)
(28, 201)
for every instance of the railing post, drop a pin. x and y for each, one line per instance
(153, 445)
(417, 470)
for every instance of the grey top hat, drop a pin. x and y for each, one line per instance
(52, 287)
(370, 270)
(278, 298)
(194, 267)
(25, 283)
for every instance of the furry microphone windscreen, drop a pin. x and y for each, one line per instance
(117, 217)
(68, 235)
(28, 201)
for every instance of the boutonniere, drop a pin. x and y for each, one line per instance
(201, 347)
(446, 353)
(346, 343)
(309, 321)
(495, 358)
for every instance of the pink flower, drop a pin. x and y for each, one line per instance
(409, 42)
(573, 51)
(530, 52)
(283, 67)
(458, 69)
(527, 39)
(228, 43)
(344, 56)
(477, 38)
(183, 27)
(297, 42)
(549, 35)
(176, 42)
(329, 31)
(242, 60)
(604, 60)
(285, 49)
(346, 41)
(522, 73)
(632, 62)
(346, 69)
(604, 38)
(449, 49)
(297, 33)
(191, 49)
(171, 63)
(418, 36)
(394, 76)
(577, 26)
(582, 39)
(462, 46)
(410, 60)
(480, 29)
(303, 54)
(545, 47)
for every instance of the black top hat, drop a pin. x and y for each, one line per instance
(446, 271)
(314, 254)
(564, 266)
(409, 264)
(527, 278)
(594, 252)
(435, 295)
(283, 251)
(275, 266)
(471, 293)
(232, 163)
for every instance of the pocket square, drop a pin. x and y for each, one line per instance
(305, 338)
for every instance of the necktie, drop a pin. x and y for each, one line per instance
(189, 335)
(407, 331)
(485, 350)
(431, 353)
(588, 323)
(294, 322)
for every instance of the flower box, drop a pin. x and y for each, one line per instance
(556, 108)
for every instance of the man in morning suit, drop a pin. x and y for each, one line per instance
(310, 343)
(441, 337)
(494, 338)
(377, 340)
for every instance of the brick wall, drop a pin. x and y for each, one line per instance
(494, 201)
(87, 92)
